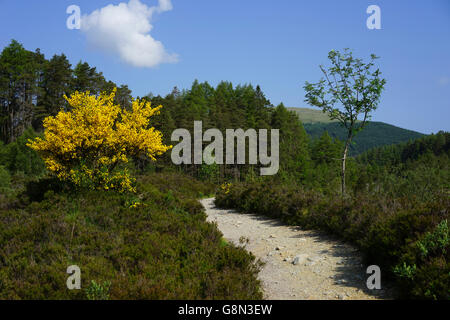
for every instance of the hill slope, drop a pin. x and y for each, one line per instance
(375, 134)
(308, 115)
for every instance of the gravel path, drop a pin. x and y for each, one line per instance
(298, 264)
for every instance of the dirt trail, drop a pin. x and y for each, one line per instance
(299, 264)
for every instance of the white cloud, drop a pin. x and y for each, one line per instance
(124, 29)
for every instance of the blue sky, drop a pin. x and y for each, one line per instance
(276, 44)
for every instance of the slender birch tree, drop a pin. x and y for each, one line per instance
(349, 92)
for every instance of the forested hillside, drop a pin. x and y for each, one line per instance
(307, 115)
(376, 134)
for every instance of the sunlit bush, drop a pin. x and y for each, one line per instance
(162, 249)
(90, 144)
(407, 237)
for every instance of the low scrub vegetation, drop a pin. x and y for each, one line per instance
(396, 210)
(407, 238)
(153, 244)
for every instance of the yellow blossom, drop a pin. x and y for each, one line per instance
(91, 141)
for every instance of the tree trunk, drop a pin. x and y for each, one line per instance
(344, 160)
(236, 173)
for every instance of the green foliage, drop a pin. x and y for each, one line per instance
(438, 240)
(406, 271)
(32, 88)
(407, 152)
(209, 172)
(97, 291)
(350, 88)
(226, 107)
(418, 168)
(424, 269)
(56, 78)
(160, 249)
(392, 233)
(375, 134)
(19, 73)
(326, 150)
(5, 180)
(18, 157)
(294, 148)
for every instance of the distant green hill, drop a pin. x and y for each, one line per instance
(307, 115)
(375, 134)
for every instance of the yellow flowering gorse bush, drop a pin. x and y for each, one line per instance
(89, 144)
(226, 187)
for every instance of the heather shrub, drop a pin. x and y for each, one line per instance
(98, 291)
(16, 157)
(407, 237)
(423, 269)
(149, 245)
(5, 180)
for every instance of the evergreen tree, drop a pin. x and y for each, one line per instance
(56, 82)
(87, 79)
(294, 143)
(326, 150)
(19, 73)
(123, 96)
